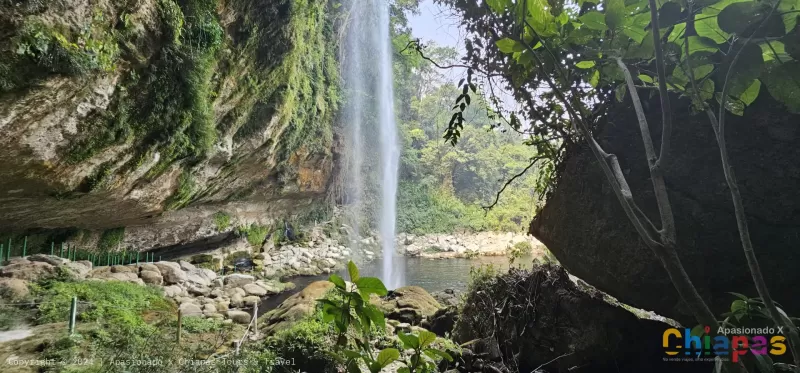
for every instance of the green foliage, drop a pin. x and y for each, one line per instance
(183, 194)
(519, 250)
(40, 49)
(111, 238)
(256, 234)
(348, 307)
(307, 343)
(222, 220)
(201, 325)
(110, 301)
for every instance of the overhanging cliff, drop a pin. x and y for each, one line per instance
(115, 112)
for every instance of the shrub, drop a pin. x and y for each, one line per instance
(108, 301)
(111, 238)
(308, 344)
(256, 234)
(222, 221)
(201, 325)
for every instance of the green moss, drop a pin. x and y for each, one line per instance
(222, 221)
(256, 234)
(183, 195)
(40, 49)
(307, 343)
(111, 238)
(299, 85)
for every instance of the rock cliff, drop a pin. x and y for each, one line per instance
(583, 224)
(154, 115)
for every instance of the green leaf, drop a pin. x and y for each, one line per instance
(371, 285)
(669, 14)
(498, 6)
(352, 367)
(434, 353)
(751, 93)
(615, 12)
(747, 68)
(585, 64)
(698, 330)
(426, 338)
(699, 44)
(410, 341)
(594, 20)
(738, 306)
(707, 90)
(375, 315)
(403, 370)
(774, 50)
(508, 46)
(352, 354)
(620, 92)
(387, 356)
(353, 271)
(644, 50)
(338, 281)
(646, 79)
(764, 363)
(737, 18)
(706, 22)
(541, 19)
(635, 26)
(595, 79)
(740, 296)
(782, 81)
(789, 13)
(562, 18)
(735, 107)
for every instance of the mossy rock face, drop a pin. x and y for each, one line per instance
(409, 304)
(296, 307)
(202, 258)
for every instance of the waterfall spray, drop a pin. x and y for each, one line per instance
(393, 268)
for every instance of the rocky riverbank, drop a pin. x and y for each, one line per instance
(467, 245)
(198, 292)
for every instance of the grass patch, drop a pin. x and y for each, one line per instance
(109, 301)
(256, 234)
(222, 221)
(308, 343)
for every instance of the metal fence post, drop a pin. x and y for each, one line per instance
(255, 319)
(73, 309)
(52, 247)
(180, 325)
(25, 247)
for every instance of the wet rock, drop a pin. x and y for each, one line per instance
(253, 289)
(238, 280)
(295, 307)
(408, 304)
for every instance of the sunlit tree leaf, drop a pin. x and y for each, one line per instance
(751, 93)
(585, 64)
(594, 20)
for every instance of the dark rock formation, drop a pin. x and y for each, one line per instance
(524, 320)
(587, 230)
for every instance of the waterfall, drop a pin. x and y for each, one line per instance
(373, 148)
(393, 269)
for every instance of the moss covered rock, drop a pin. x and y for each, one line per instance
(410, 304)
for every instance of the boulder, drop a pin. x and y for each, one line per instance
(409, 304)
(296, 307)
(190, 310)
(27, 270)
(556, 322)
(14, 289)
(49, 259)
(149, 267)
(222, 305)
(442, 322)
(209, 308)
(238, 279)
(239, 317)
(197, 290)
(79, 269)
(186, 266)
(123, 269)
(237, 301)
(171, 272)
(173, 291)
(253, 289)
(448, 297)
(234, 291)
(251, 300)
(582, 221)
(197, 278)
(151, 277)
